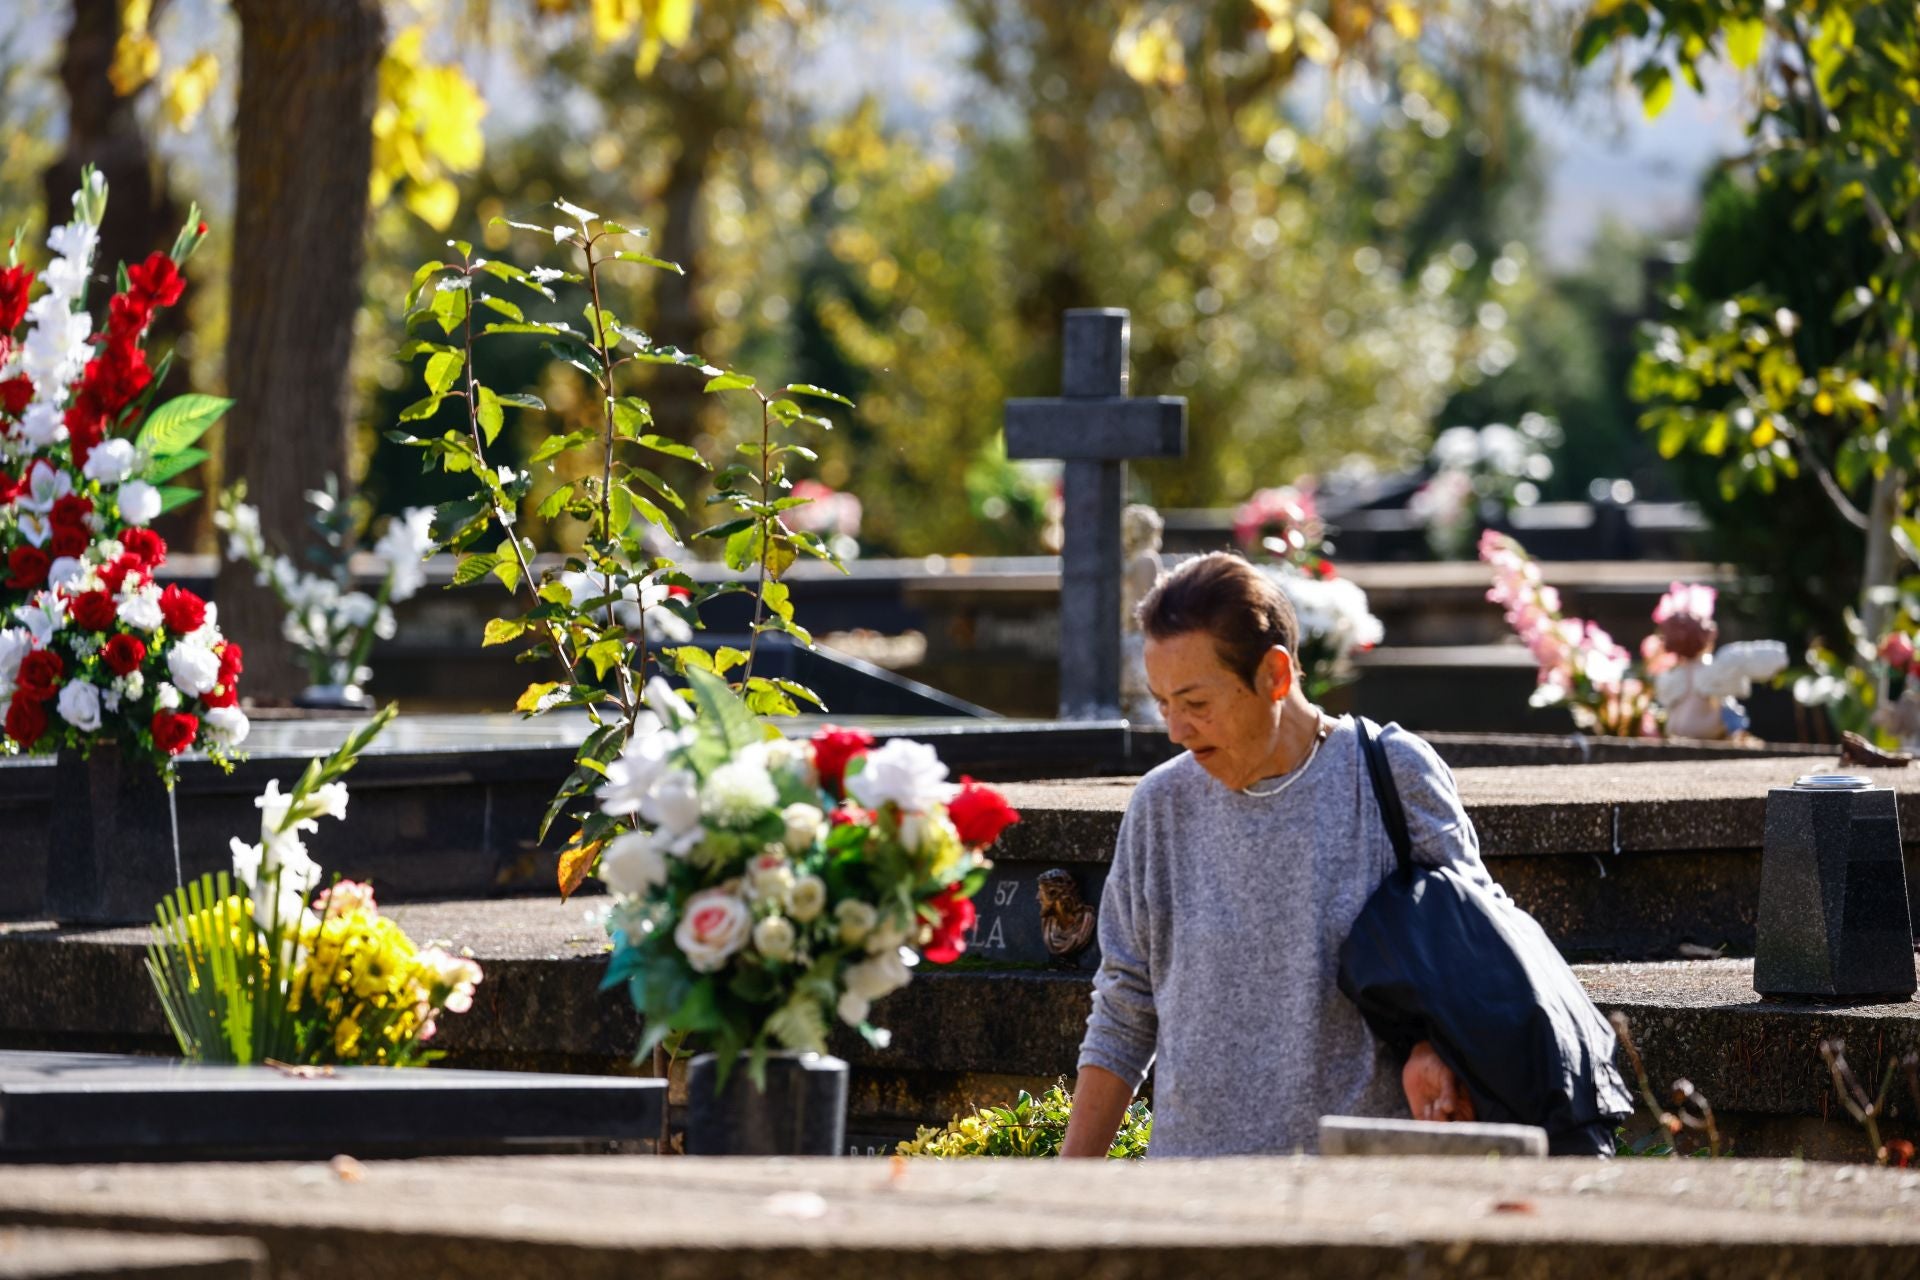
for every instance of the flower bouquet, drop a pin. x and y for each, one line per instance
(1282, 530)
(255, 967)
(91, 650)
(768, 885)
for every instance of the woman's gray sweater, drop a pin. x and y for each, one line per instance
(1220, 932)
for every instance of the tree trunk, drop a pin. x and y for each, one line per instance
(308, 72)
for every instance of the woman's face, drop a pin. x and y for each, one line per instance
(1232, 730)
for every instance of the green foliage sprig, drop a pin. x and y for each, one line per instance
(1031, 1127)
(592, 617)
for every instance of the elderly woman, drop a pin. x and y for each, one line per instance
(1240, 868)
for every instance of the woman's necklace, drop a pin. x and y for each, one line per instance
(1326, 727)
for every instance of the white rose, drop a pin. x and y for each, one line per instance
(80, 705)
(167, 698)
(854, 1009)
(878, 975)
(139, 502)
(140, 608)
(227, 726)
(632, 864)
(111, 461)
(134, 685)
(803, 826)
(807, 899)
(770, 875)
(195, 668)
(674, 803)
(716, 925)
(856, 919)
(902, 772)
(774, 938)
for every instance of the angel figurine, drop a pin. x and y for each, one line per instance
(1701, 688)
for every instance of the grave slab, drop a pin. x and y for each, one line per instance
(31, 1254)
(81, 1106)
(1017, 1220)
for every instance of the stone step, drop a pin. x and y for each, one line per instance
(44, 1254)
(965, 1035)
(1433, 1217)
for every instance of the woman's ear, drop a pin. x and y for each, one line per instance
(1280, 672)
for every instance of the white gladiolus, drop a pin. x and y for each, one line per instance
(330, 799)
(79, 705)
(632, 774)
(226, 726)
(46, 485)
(407, 541)
(674, 807)
(44, 618)
(195, 668)
(15, 645)
(139, 502)
(36, 529)
(111, 461)
(902, 772)
(633, 864)
(41, 425)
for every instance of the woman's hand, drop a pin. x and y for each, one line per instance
(1433, 1091)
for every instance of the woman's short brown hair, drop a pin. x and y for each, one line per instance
(1243, 609)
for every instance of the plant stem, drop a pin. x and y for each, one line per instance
(765, 519)
(628, 704)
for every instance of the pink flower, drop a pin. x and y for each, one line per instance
(1691, 600)
(1897, 649)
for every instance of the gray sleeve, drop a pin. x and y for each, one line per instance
(1123, 1026)
(1443, 834)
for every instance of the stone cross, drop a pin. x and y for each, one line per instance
(1094, 427)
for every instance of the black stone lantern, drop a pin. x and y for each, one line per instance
(1834, 923)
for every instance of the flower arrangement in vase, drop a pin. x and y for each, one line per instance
(1282, 530)
(766, 886)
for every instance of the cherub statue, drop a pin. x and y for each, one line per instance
(1701, 688)
(1066, 919)
(1140, 530)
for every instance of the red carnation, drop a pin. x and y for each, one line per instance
(15, 395)
(145, 546)
(226, 690)
(114, 576)
(834, 749)
(173, 731)
(39, 677)
(232, 662)
(123, 654)
(980, 814)
(157, 280)
(182, 610)
(15, 284)
(28, 568)
(957, 916)
(92, 610)
(26, 720)
(70, 511)
(9, 487)
(69, 542)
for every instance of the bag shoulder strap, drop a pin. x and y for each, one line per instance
(1387, 793)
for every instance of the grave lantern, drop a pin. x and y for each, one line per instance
(1834, 923)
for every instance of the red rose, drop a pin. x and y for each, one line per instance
(123, 654)
(27, 567)
(9, 487)
(70, 512)
(157, 280)
(15, 284)
(848, 815)
(173, 731)
(39, 677)
(957, 916)
(15, 395)
(834, 749)
(68, 542)
(182, 610)
(980, 814)
(114, 576)
(26, 720)
(145, 546)
(92, 610)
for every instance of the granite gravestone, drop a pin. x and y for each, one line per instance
(1834, 923)
(1095, 427)
(95, 1106)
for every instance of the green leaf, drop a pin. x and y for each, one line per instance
(504, 630)
(179, 422)
(808, 389)
(554, 503)
(671, 448)
(424, 272)
(631, 416)
(488, 414)
(172, 496)
(443, 370)
(659, 486)
(729, 382)
(726, 529)
(452, 518)
(645, 259)
(1745, 36)
(449, 307)
(531, 700)
(420, 409)
(421, 346)
(504, 307)
(721, 709)
(475, 567)
(163, 469)
(521, 400)
(578, 354)
(549, 330)
(554, 446)
(743, 548)
(1656, 89)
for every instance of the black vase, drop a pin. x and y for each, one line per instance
(110, 855)
(801, 1112)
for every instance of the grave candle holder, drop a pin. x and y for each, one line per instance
(1834, 923)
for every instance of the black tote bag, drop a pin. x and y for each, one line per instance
(1433, 956)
